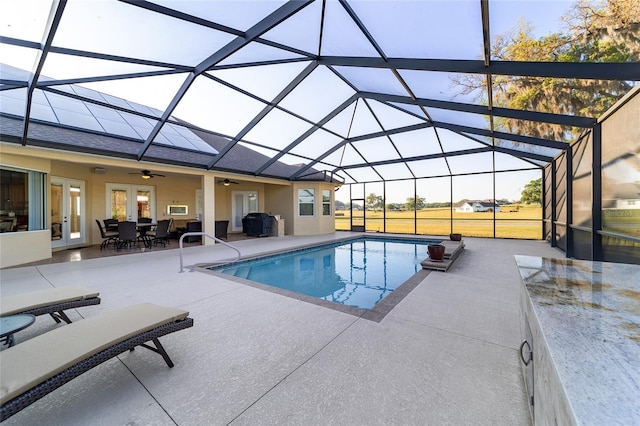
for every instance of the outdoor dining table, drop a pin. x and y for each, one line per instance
(145, 226)
(142, 228)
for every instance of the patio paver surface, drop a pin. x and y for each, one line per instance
(446, 354)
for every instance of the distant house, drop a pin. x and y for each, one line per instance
(627, 204)
(466, 207)
(623, 196)
(484, 206)
(477, 206)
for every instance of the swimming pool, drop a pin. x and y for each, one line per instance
(358, 273)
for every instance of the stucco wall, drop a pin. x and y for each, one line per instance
(17, 248)
(224, 197)
(23, 247)
(12, 157)
(169, 190)
(316, 224)
(223, 202)
(278, 201)
(179, 187)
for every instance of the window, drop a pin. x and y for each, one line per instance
(326, 202)
(306, 199)
(22, 200)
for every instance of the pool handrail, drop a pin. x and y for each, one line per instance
(217, 240)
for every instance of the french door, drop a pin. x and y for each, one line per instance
(66, 198)
(244, 202)
(130, 202)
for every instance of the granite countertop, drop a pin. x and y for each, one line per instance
(589, 313)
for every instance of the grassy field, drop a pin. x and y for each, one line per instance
(623, 221)
(524, 223)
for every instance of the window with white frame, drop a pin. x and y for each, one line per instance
(326, 202)
(306, 200)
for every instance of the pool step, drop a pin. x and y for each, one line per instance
(452, 250)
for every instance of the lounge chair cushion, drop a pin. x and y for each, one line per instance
(10, 305)
(32, 362)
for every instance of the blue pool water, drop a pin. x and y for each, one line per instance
(357, 273)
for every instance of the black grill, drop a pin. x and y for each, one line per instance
(257, 225)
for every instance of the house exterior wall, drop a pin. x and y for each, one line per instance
(179, 187)
(24, 247)
(316, 224)
(465, 208)
(627, 204)
(223, 203)
(278, 202)
(477, 207)
(224, 198)
(169, 190)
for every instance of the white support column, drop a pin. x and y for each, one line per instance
(208, 206)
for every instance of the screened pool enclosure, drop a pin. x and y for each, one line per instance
(430, 117)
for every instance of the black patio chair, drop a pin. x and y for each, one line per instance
(127, 234)
(221, 229)
(108, 237)
(171, 231)
(193, 226)
(110, 225)
(161, 234)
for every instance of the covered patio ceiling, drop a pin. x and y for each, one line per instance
(361, 90)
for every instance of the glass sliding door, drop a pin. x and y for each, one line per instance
(244, 202)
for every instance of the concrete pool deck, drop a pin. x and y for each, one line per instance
(446, 354)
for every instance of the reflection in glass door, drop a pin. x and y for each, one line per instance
(143, 204)
(66, 199)
(244, 202)
(119, 209)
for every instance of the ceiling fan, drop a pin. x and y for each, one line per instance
(146, 174)
(227, 182)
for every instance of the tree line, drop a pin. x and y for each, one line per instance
(594, 31)
(531, 194)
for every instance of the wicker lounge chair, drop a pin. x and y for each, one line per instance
(52, 301)
(38, 366)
